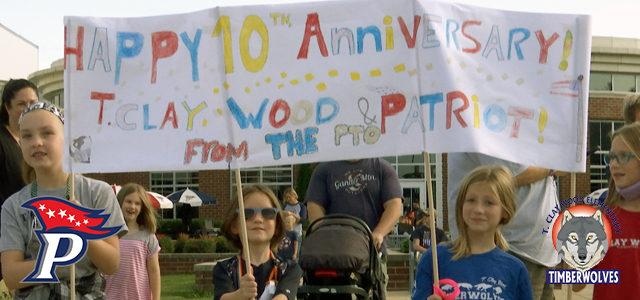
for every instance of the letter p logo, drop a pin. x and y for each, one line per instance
(57, 249)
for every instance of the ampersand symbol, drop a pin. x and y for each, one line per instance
(367, 119)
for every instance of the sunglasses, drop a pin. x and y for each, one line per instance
(267, 212)
(622, 158)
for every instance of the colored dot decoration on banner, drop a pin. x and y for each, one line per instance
(356, 76)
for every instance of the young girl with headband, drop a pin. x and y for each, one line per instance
(42, 144)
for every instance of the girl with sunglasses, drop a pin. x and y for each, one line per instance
(624, 200)
(273, 277)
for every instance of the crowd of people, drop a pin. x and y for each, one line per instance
(496, 209)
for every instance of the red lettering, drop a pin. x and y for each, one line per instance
(206, 149)
(102, 97)
(170, 40)
(279, 105)
(450, 97)
(218, 153)
(411, 41)
(237, 152)
(391, 105)
(518, 113)
(464, 25)
(77, 51)
(170, 115)
(190, 152)
(545, 44)
(312, 29)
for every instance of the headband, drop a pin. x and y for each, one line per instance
(43, 105)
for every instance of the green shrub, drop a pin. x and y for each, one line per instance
(168, 226)
(222, 246)
(166, 244)
(405, 245)
(304, 177)
(196, 225)
(217, 223)
(203, 245)
(181, 241)
(175, 226)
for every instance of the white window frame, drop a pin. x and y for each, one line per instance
(277, 186)
(600, 168)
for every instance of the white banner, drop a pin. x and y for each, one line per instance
(294, 83)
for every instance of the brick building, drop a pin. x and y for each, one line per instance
(615, 72)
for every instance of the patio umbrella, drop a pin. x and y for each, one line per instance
(192, 197)
(157, 201)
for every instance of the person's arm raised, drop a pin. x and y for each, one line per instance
(533, 174)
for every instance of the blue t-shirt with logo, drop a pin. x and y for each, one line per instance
(285, 250)
(493, 275)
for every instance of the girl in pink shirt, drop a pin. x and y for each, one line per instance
(138, 276)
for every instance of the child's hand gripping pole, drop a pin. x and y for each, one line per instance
(243, 224)
(434, 243)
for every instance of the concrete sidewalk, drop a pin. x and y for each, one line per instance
(560, 294)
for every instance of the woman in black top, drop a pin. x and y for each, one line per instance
(16, 96)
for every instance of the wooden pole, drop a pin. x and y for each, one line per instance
(72, 268)
(573, 194)
(432, 220)
(243, 224)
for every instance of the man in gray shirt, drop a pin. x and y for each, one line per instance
(365, 188)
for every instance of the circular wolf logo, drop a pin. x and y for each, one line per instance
(581, 236)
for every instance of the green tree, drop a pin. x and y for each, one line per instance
(304, 176)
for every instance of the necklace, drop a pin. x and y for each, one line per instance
(273, 276)
(34, 188)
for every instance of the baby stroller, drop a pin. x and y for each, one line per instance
(340, 261)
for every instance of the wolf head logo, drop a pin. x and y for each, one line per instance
(582, 241)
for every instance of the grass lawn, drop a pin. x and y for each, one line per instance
(182, 286)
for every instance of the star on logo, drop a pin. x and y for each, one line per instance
(62, 213)
(51, 214)
(42, 207)
(85, 221)
(77, 224)
(71, 218)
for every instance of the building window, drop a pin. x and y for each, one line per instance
(276, 178)
(623, 83)
(410, 168)
(165, 183)
(58, 100)
(600, 82)
(600, 134)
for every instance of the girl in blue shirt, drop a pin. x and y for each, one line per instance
(477, 260)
